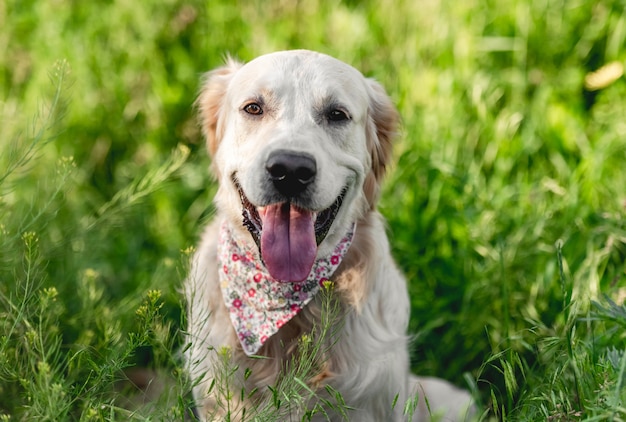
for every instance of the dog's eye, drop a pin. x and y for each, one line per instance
(253, 108)
(336, 115)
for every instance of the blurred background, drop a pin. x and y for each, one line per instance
(505, 207)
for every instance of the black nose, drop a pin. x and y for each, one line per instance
(291, 172)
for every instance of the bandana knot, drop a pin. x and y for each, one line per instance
(257, 303)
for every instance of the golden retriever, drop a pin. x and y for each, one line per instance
(299, 143)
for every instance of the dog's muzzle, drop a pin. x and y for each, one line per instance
(287, 234)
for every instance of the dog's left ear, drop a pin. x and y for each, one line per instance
(381, 130)
(209, 102)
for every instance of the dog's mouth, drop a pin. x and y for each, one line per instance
(288, 235)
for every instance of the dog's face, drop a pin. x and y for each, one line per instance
(299, 142)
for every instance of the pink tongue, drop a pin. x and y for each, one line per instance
(288, 243)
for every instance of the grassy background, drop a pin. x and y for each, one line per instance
(505, 208)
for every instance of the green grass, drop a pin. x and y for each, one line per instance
(506, 205)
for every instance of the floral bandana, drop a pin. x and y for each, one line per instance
(258, 304)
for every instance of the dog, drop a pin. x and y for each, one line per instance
(299, 143)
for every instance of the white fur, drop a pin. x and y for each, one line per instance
(369, 363)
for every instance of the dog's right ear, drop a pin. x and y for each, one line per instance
(209, 102)
(381, 131)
